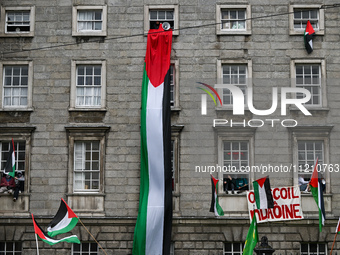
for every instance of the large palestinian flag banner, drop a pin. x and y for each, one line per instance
(64, 221)
(153, 227)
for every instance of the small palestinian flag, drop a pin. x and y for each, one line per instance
(10, 165)
(308, 36)
(215, 206)
(263, 193)
(64, 221)
(316, 188)
(51, 241)
(338, 227)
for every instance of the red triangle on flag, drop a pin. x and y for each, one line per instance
(315, 176)
(309, 28)
(261, 181)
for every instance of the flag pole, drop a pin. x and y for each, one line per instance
(91, 236)
(36, 240)
(333, 243)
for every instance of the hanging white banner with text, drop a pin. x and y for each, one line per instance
(287, 205)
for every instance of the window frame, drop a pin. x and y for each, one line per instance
(148, 8)
(220, 31)
(84, 171)
(3, 21)
(13, 251)
(86, 133)
(323, 86)
(102, 32)
(311, 133)
(20, 134)
(29, 64)
(73, 92)
(241, 244)
(236, 134)
(81, 246)
(175, 138)
(249, 84)
(321, 18)
(318, 252)
(175, 65)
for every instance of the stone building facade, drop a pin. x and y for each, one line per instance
(71, 75)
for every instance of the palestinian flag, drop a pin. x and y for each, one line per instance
(308, 36)
(153, 227)
(316, 188)
(215, 206)
(263, 194)
(64, 221)
(338, 227)
(51, 241)
(10, 165)
(252, 238)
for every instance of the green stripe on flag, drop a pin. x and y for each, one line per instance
(217, 205)
(257, 195)
(68, 228)
(140, 229)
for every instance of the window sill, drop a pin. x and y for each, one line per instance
(301, 32)
(89, 34)
(16, 110)
(87, 110)
(86, 202)
(316, 109)
(233, 32)
(31, 34)
(8, 206)
(176, 109)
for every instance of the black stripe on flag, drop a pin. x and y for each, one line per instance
(167, 166)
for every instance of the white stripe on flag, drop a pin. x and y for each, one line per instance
(319, 204)
(62, 224)
(263, 197)
(154, 136)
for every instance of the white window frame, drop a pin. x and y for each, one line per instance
(82, 172)
(220, 31)
(321, 18)
(311, 133)
(236, 134)
(75, 31)
(148, 8)
(318, 252)
(323, 85)
(249, 84)
(27, 107)
(175, 65)
(232, 252)
(3, 21)
(73, 92)
(20, 134)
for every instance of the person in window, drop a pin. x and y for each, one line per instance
(19, 185)
(241, 184)
(303, 184)
(229, 184)
(7, 184)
